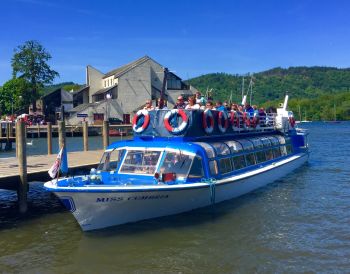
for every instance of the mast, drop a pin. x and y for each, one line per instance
(242, 88)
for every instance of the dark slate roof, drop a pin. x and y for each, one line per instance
(104, 90)
(80, 90)
(119, 71)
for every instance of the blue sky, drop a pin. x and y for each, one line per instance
(191, 37)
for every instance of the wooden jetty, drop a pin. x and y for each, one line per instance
(15, 173)
(38, 166)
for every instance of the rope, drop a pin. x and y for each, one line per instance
(211, 182)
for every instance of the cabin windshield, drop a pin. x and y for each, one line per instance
(110, 160)
(141, 162)
(177, 162)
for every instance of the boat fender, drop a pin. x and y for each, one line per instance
(234, 120)
(292, 121)
(142, 113)
(208, 128)
(181, 127)
(223, 117)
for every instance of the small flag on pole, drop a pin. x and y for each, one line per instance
(61, 163)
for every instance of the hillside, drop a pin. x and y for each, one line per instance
(322, 86)
(300, 82)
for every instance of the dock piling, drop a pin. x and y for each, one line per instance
(22, 164)
(61, 134)
(105, 134)
(85, 136)
(49, 138)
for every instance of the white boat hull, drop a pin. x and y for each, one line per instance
(100, 207)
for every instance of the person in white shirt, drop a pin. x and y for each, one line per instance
(192, 103)
(148, 105)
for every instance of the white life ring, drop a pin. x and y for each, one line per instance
(223, 114)
(208, 128)
(179, 129)
(138, 115)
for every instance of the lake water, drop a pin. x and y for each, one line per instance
(298, 224)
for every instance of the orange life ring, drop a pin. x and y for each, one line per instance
(138, 115)
(207, 114)
(182, 126)
(223, 115)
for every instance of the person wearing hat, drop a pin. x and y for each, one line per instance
(180, 103)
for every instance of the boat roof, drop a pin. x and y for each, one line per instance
(179, 144)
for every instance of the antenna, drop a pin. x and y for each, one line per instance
(242, 88)
(250, 88)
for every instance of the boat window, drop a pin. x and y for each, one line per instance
(225, 165)
(273, 140)
(140, 162)
(176, 162)
(281, 139)
(221, 148)
(208, 149)
(260, 156)
(247, 145)
(196, 168)
(234, 146)
(269, 154)
(110, 160)
(257, 143)
(213, 166)
(283, 150)
(266, 142)
(276, 152)
(250, 159)
(239, 162)
(287, 139)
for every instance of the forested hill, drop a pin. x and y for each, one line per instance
(299, 82)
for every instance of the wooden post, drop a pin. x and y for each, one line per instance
(86, 136)
(38, 130)
(105, 133)
(11, 129)
(17, 132)
(49, 138)
(61, 134)
(8, 145)
(22, 164)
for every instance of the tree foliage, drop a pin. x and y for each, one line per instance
(14, 95)
(307, 86)
(30, 62)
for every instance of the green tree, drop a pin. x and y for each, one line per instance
(30, 62)
(15, 95)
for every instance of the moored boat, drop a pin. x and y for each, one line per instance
(181, 160)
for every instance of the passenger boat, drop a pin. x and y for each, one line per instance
(180, 160)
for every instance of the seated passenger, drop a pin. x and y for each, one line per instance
(200, 99)
(161, 104)
(249, 109)
(192, 103)
(219, 106)
(262, 117)
(180, 103)
(209, 105)
(148, 106)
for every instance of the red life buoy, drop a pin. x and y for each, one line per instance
(138, 115)
(234, 119)
(207, 114)
(292, 121)
(223, 115)
(182, 126)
